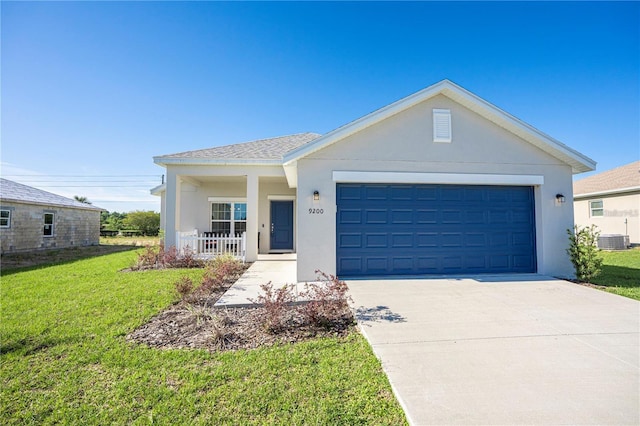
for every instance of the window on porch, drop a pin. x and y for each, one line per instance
(229, 218)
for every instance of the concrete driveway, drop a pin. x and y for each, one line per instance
(523, 349)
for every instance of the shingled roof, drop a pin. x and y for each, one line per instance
(616, 180)
(14, 191)
(263, 150)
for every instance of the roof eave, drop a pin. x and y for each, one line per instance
(617, 191)
(166, 161)
(158, 190)
(42, 203)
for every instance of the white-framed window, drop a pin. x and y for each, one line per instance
(441, 125)
(596, 208)
(5, 218)
(229, 217)
(48, 224)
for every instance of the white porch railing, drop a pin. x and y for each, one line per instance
(208, 244)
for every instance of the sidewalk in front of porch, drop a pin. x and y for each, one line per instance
(279, 269)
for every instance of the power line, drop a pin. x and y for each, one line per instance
(84, 176)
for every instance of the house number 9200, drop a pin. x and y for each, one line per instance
(316, 211)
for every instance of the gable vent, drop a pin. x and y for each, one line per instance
(441, 125)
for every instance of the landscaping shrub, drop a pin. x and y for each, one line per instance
(327, 304)
(156, 257)
(584, 253)
(220, 271)
(184, 287)
(148, 258)
(275, 304)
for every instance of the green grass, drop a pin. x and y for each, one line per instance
(65, 360)
(621, 273)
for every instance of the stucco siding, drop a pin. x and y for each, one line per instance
(407, 137)
(616, 210)
(72, 228)
(404, 143)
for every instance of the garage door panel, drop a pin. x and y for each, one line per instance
(426, 216)
(434, 229)
(350, 193)
(376, 241)
(350, 240)
(402, 240)
(375, 216)
(373, 193)
(350, 216)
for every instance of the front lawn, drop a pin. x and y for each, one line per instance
(621, 273)
(65, 360)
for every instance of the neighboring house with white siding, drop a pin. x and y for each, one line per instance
(440, 182)
(611, 201)
(33, 219)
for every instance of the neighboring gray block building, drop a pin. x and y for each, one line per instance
(32, 219)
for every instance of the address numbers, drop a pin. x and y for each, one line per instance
(316, 211)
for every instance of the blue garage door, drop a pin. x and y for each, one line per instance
(385, 229)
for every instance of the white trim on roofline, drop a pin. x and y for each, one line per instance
(165, 161)
(578, 162)
(436, 178)
(158, 189)
(608, 192)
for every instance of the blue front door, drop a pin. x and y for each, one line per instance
(282, 225)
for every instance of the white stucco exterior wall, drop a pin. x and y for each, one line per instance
(404, 143)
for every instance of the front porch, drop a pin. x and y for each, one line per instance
(222, 212)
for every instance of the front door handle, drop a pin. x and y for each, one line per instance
(272, 228)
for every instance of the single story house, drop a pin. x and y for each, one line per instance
(440, 182)
(32, 219)
(611, 201)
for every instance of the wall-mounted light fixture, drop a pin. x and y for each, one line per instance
(559, 198)
(316, 196)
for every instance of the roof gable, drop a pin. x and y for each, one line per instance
(621, 179)
(14, 191)
(578, 162)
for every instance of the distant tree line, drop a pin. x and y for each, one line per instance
(145, 222)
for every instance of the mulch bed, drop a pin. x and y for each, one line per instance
(196, 324)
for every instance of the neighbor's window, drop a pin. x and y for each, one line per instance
(5, 218)
(596, 208)
(229, 218)
(48, 225)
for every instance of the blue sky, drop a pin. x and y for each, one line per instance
(92, 91)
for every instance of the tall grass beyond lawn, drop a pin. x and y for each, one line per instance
(65, 360)
(621, 273)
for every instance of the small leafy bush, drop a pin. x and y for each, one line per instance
(157, 257)
(148, 258)
(184, 287)
(328, 303)
(275, 303)
(220, 271)
(169, 256)
(584, 253)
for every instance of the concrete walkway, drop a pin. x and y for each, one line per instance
(523, 349)
(278, 272)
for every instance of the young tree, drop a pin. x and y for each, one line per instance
(147, 222)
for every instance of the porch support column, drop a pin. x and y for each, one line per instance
(172, 219)
(252, 218)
